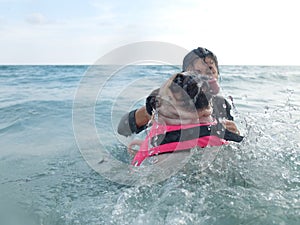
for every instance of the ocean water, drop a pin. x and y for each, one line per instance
(44, 179)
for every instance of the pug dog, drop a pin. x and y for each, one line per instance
(181, 118)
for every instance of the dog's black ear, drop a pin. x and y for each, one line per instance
(202, 101)
(177, 83)
(191, 86)
(184, 83)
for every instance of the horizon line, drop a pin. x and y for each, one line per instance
(83, 64)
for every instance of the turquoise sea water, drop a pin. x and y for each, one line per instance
(45, 180)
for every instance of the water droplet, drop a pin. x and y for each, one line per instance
(244, 97)
(156, 115)
(221, 119)
(224, 106)
(151, 152)
(153, 159)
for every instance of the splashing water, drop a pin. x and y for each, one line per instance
(44, 179)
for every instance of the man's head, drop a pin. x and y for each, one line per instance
(202, 61)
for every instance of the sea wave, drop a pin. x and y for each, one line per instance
(45, 180)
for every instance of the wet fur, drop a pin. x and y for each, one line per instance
(181, 98)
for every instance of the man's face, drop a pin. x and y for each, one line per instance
(206, 67)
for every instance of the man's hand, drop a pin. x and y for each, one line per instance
(230, 125)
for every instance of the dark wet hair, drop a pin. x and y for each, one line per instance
(198, 53)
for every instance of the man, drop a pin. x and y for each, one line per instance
(199, 60)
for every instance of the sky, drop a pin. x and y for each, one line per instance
(239, 32)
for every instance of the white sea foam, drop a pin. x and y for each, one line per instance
(43, 176)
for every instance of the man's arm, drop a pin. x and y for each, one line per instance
(137, 120)
(133, 122)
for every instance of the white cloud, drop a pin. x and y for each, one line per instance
(14, 1)
(239, 32)
(36, 19)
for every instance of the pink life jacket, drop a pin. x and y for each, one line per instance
(170, 138)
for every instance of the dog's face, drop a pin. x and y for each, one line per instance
(184, 95)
